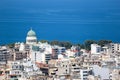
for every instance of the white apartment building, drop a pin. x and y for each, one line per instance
(75, 70)
(70, 53)
(101, 72)
(95, 49)
(115, 74)
(84, 73)
(16, 71)
(63, 67)
(39, 57)
(4, 54)
(114, 48)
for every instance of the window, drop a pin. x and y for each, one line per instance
(66, 70)
(16, 66)
(7, 72)
(1, 72)
(84, 71)
(20, 66)
(85, 75)
(84, 78)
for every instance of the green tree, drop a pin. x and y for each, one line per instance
(104, 42)
(11, 45)
(88, 43)
(44, 41)
(62, 44)
(68, 45)
(55, 42)
(81, 46)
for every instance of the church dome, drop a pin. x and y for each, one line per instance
(31, 37)
(31, 33)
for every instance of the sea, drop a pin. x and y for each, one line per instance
(64, 20)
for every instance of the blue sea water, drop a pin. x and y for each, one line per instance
(64, 20)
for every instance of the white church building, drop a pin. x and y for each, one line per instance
(31, 37)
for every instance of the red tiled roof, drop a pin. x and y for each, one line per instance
(41, 65)
(13, 75)
(1, 74)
